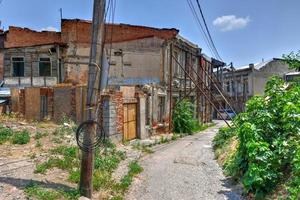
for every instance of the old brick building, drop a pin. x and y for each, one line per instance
(139, 59)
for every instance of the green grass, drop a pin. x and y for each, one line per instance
(134, 169)
(21, 137)
(40, 193)
(40, 135)
(106, 161)
(63, 157)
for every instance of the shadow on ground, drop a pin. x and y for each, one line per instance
(22, 183)
(233, 192)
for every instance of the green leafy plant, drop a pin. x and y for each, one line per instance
(183, 120)
(268, 139)
(293, 60)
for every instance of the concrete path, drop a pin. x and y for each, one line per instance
(183, 170)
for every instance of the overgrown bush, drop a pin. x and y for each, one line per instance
(183, 120)
(269, 141)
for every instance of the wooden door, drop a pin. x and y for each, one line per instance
(129, 121)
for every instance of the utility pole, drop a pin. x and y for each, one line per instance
(86, 186)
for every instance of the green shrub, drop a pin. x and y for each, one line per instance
(5, 134)
(183, 120)
(223, 137)
(268, 135)
(22, 137)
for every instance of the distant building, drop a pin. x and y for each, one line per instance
(242, 83)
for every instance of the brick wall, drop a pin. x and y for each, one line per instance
(22, 37)
(80, 31)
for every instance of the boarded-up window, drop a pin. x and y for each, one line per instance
(45, 67)
(17, 66)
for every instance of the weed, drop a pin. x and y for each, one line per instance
(32, 156)
(163, 140)
(40, 135)
(69, 160)
(103, 180)
(134, 169)
(74, 176)
(5, 134)
(143, 148)
(174, 137)
(57, 140)
(21, 137)
(38, 144)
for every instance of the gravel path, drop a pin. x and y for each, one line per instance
(185, 169)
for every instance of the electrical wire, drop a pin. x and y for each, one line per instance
(196, 17)
(206, 27)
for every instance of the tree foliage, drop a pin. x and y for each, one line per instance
(293, 60)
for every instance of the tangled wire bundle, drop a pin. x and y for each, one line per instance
(90, 135)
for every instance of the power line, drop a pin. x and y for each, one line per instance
(201, 27)
(209, 35)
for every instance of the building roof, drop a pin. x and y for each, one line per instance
(292, 74)
(257, 66)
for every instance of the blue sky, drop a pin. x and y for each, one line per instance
(244, 31)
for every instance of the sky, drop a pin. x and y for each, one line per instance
(244, 31)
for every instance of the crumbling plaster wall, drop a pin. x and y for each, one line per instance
(261, 77)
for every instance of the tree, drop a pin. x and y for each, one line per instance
(293, 60)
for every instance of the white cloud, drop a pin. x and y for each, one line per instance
(231, 22)
(50, 28)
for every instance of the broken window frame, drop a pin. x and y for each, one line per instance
(45, 62)
(20, 73)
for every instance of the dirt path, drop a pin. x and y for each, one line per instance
(185, 169)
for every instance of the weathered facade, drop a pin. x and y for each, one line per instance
(244, 82)
(137, 101)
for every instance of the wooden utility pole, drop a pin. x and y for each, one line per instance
(86, 186)
(170, 87)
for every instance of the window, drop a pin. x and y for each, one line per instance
(17, 66)
(44, 67)
(161, 109)
(228, 86)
